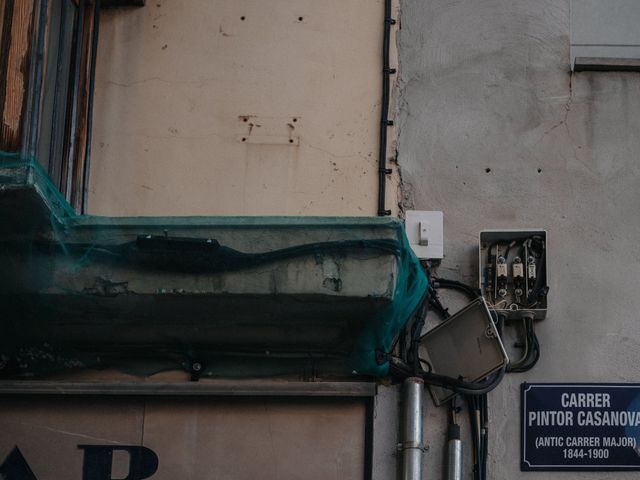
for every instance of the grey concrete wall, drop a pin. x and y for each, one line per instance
(494, 131)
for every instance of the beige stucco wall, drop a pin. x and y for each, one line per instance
(181, 83)
(175, 82)
(193, 438)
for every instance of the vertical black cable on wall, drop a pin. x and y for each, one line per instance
(383, 171)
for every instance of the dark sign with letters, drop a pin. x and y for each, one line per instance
(580, 427)
(97, 465)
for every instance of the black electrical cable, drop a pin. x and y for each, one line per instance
(539, 290)
(404, 370)
(460, 386)
(477, 397)
(478, 421)
(474, 392)
(413, 357)
(500, 321)
(473, 427)
(412, 366)
(509, 247)
(532, 349)
(198, 255)
(437, 306)
(432, 297)
(477, 400)
(516, 366)
(383, 171)
(484, 435)
(471, 292)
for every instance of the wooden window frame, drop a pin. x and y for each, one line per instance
(48, 52)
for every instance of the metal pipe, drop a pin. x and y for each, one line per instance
(454, 453)
(411, 445)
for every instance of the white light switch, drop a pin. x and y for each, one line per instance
(423, 241)
(425, 232)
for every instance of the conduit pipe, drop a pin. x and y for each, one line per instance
(454, 453)
(411, 445)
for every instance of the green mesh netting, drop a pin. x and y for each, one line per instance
(236, 296)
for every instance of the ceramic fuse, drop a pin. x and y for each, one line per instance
(501, 276)
(518, 277)
(531, 270)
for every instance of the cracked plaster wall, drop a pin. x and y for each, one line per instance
(494, 131)
(181, 83)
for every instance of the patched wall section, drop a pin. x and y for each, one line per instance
(239, 108)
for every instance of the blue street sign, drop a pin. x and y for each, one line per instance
(580, 426)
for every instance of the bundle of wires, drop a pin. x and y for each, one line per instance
(202, 255)
(479, 421)
(477, 403)
(531, 349)
(475, 393)
(409, 363)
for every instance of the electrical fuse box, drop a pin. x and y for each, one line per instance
(513, 271)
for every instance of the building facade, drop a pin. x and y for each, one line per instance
(235, 109)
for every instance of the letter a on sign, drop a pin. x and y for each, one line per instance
(15, 467)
